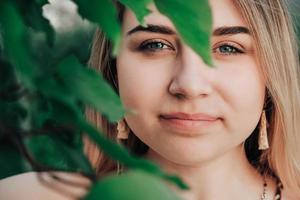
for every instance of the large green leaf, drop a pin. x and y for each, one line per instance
(89, 87)
(139, 7)
(133, 185)
(71, 83)
(193, 21)
(104, 13)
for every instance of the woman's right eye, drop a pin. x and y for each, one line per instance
(155, 45)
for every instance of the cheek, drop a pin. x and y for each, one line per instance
(242, 89)
(141, 88)
(142, 84)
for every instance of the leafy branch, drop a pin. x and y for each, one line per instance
(43, 94)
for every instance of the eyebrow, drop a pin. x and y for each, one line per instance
(224, 30)
(230, 30)
(153, 29)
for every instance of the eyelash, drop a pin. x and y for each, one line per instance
(234, 50)
(147, 46)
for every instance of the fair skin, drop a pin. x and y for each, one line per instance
(155, 67)
(207, 155)
(29, 186)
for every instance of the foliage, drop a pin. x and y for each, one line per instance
(128, 185)
(45, 85)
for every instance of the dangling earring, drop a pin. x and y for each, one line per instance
(122, 130)
(263, 143)
(120, 168)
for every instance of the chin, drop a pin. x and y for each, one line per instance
(188, 160)
(185, 156)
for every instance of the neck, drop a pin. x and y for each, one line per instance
(229, 176)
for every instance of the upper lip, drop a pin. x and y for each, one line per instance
(187, 116)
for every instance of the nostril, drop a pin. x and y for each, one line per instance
(180, 96)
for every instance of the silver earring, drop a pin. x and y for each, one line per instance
(263, 143)
(122, 130)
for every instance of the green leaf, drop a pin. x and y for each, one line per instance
(134, 185)
(9, 87)
(118, 152)
(15, 44)
(12, 115)
(11, 161)
(41, 2)
(54, 151)
(139, 7)
(104, 13)
(193, 21)
(65, 110)
(89, 87)
(68, 112)
(32, 15)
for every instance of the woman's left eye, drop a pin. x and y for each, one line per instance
(227, 49)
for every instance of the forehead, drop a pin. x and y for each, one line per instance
(224, 13)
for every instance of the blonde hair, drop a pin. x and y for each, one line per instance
(276, 50)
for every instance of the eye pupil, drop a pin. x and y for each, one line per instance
(153, 46)
(156, 45)
(227, 49)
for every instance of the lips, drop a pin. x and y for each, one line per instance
(186, 116)
(188, 124)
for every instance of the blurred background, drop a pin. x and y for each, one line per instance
(63, 16)
(294, 6)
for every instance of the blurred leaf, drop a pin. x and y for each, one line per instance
(41, 2)
(133, 185)
(62, 106)
(9, 87)
(11, 161)
(118, 152)
(15, 46)
(99, 11)
(32, 15)
(89, 87)
(139, 7)
(55, 141)
(193, 25)
(66, 110)
(55, 152)
(12, 114)
(43, 91)
(65, 44)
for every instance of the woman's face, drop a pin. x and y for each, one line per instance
(161, 77)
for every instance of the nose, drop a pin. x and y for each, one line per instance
(192, 77)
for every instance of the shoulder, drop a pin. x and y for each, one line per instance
(37, 186)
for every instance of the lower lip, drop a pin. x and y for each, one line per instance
(187, 127)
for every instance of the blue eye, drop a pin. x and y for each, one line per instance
(228, 50)
(153, 45)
